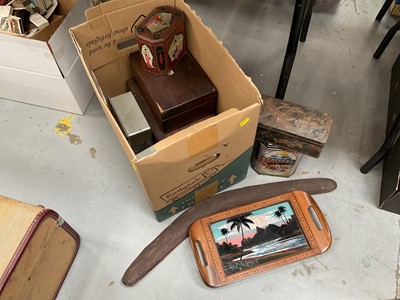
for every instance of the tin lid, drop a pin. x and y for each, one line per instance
(129, 115)
(163, 21)
(295, 120)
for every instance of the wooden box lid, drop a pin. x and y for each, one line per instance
(179, 99)
(174, 94)
(144, 33)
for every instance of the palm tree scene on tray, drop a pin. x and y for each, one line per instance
(258, 237)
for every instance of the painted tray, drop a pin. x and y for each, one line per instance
(258, 237)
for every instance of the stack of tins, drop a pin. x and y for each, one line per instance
(285, 132)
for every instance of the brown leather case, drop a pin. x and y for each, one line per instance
(37, 248)
(247, 240)
(176, 100)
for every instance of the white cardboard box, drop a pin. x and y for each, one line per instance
(46, 70)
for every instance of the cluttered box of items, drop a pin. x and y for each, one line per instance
(183, 111)
(39, 64)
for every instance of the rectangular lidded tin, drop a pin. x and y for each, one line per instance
(132, 121)
(293, 126)
(161, 37)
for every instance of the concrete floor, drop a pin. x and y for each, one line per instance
(86, 178)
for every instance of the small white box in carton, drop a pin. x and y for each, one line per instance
(198, 161)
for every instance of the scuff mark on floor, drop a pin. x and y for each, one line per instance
(355, 7)
(351, 59)
(74, 139)
(307, 270)
(92, 152)
(366, 262)
(359, 208)
(342, 3)
(323, 265)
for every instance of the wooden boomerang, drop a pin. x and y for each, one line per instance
(177, 232)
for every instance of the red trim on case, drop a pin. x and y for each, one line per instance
(41, 216)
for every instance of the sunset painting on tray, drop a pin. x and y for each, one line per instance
(257, 237)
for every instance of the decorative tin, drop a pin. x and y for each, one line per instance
(276, 161)
(132, 121)
(293, 126)
(162, 39)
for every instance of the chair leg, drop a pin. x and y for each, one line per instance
(294, 35)
(386, 146)
(383, 10)
(386, 40)
(306, 23)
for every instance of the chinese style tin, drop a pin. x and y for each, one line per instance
(162, 39)
(276, 161)
(293, 126)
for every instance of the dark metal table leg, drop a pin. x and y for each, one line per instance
(386, 40)
(387, 144)
(307, 19)
(383, 10)
(294, 35)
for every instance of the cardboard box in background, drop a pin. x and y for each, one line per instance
(46, 70)
(198, 161)
(390, 193)
(395, 8)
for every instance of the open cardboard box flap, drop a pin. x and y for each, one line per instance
(218, 140)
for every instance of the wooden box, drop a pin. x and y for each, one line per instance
(176, 100)
(162, 39)
(37, 248)
(292, 126)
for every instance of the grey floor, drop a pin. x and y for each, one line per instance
(86, 178)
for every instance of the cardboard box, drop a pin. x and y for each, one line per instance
(195, 162)
(37, 250)
(390, 193)
(45, 70)
(395, 8)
